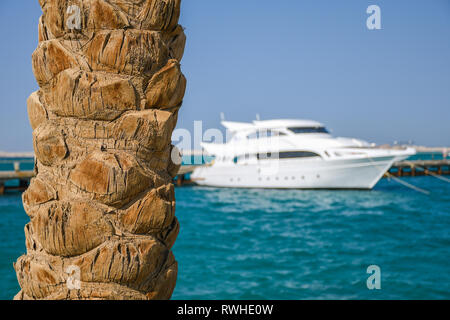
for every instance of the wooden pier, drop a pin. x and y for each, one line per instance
(399, 169)
(417, 168)
(183, 177)
(24, 178)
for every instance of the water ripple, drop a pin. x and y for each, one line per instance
(294, 244)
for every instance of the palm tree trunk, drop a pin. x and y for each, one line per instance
(102, 204)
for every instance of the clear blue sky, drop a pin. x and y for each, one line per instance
(289, 58)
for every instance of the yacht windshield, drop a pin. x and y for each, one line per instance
(299, 130)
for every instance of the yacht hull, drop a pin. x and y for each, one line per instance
(361, 173)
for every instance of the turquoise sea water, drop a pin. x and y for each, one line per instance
(269, 244)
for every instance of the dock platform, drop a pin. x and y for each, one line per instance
(416, 168)
(24, 178)
(405, 168)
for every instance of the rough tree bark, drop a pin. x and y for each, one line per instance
(102, 204)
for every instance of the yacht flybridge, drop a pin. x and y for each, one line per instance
(294, 154)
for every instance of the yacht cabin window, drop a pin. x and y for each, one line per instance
(265, 134)
(300, 130)
(287, 155)
(274, 156)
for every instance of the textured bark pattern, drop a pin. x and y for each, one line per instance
(102, 199)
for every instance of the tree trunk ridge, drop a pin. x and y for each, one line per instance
(102, 205)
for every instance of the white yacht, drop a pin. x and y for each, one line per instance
(294, 154)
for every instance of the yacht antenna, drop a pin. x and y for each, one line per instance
(222, 116)
(258, 117)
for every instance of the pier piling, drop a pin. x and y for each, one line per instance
(399, 169)
(420, 168)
